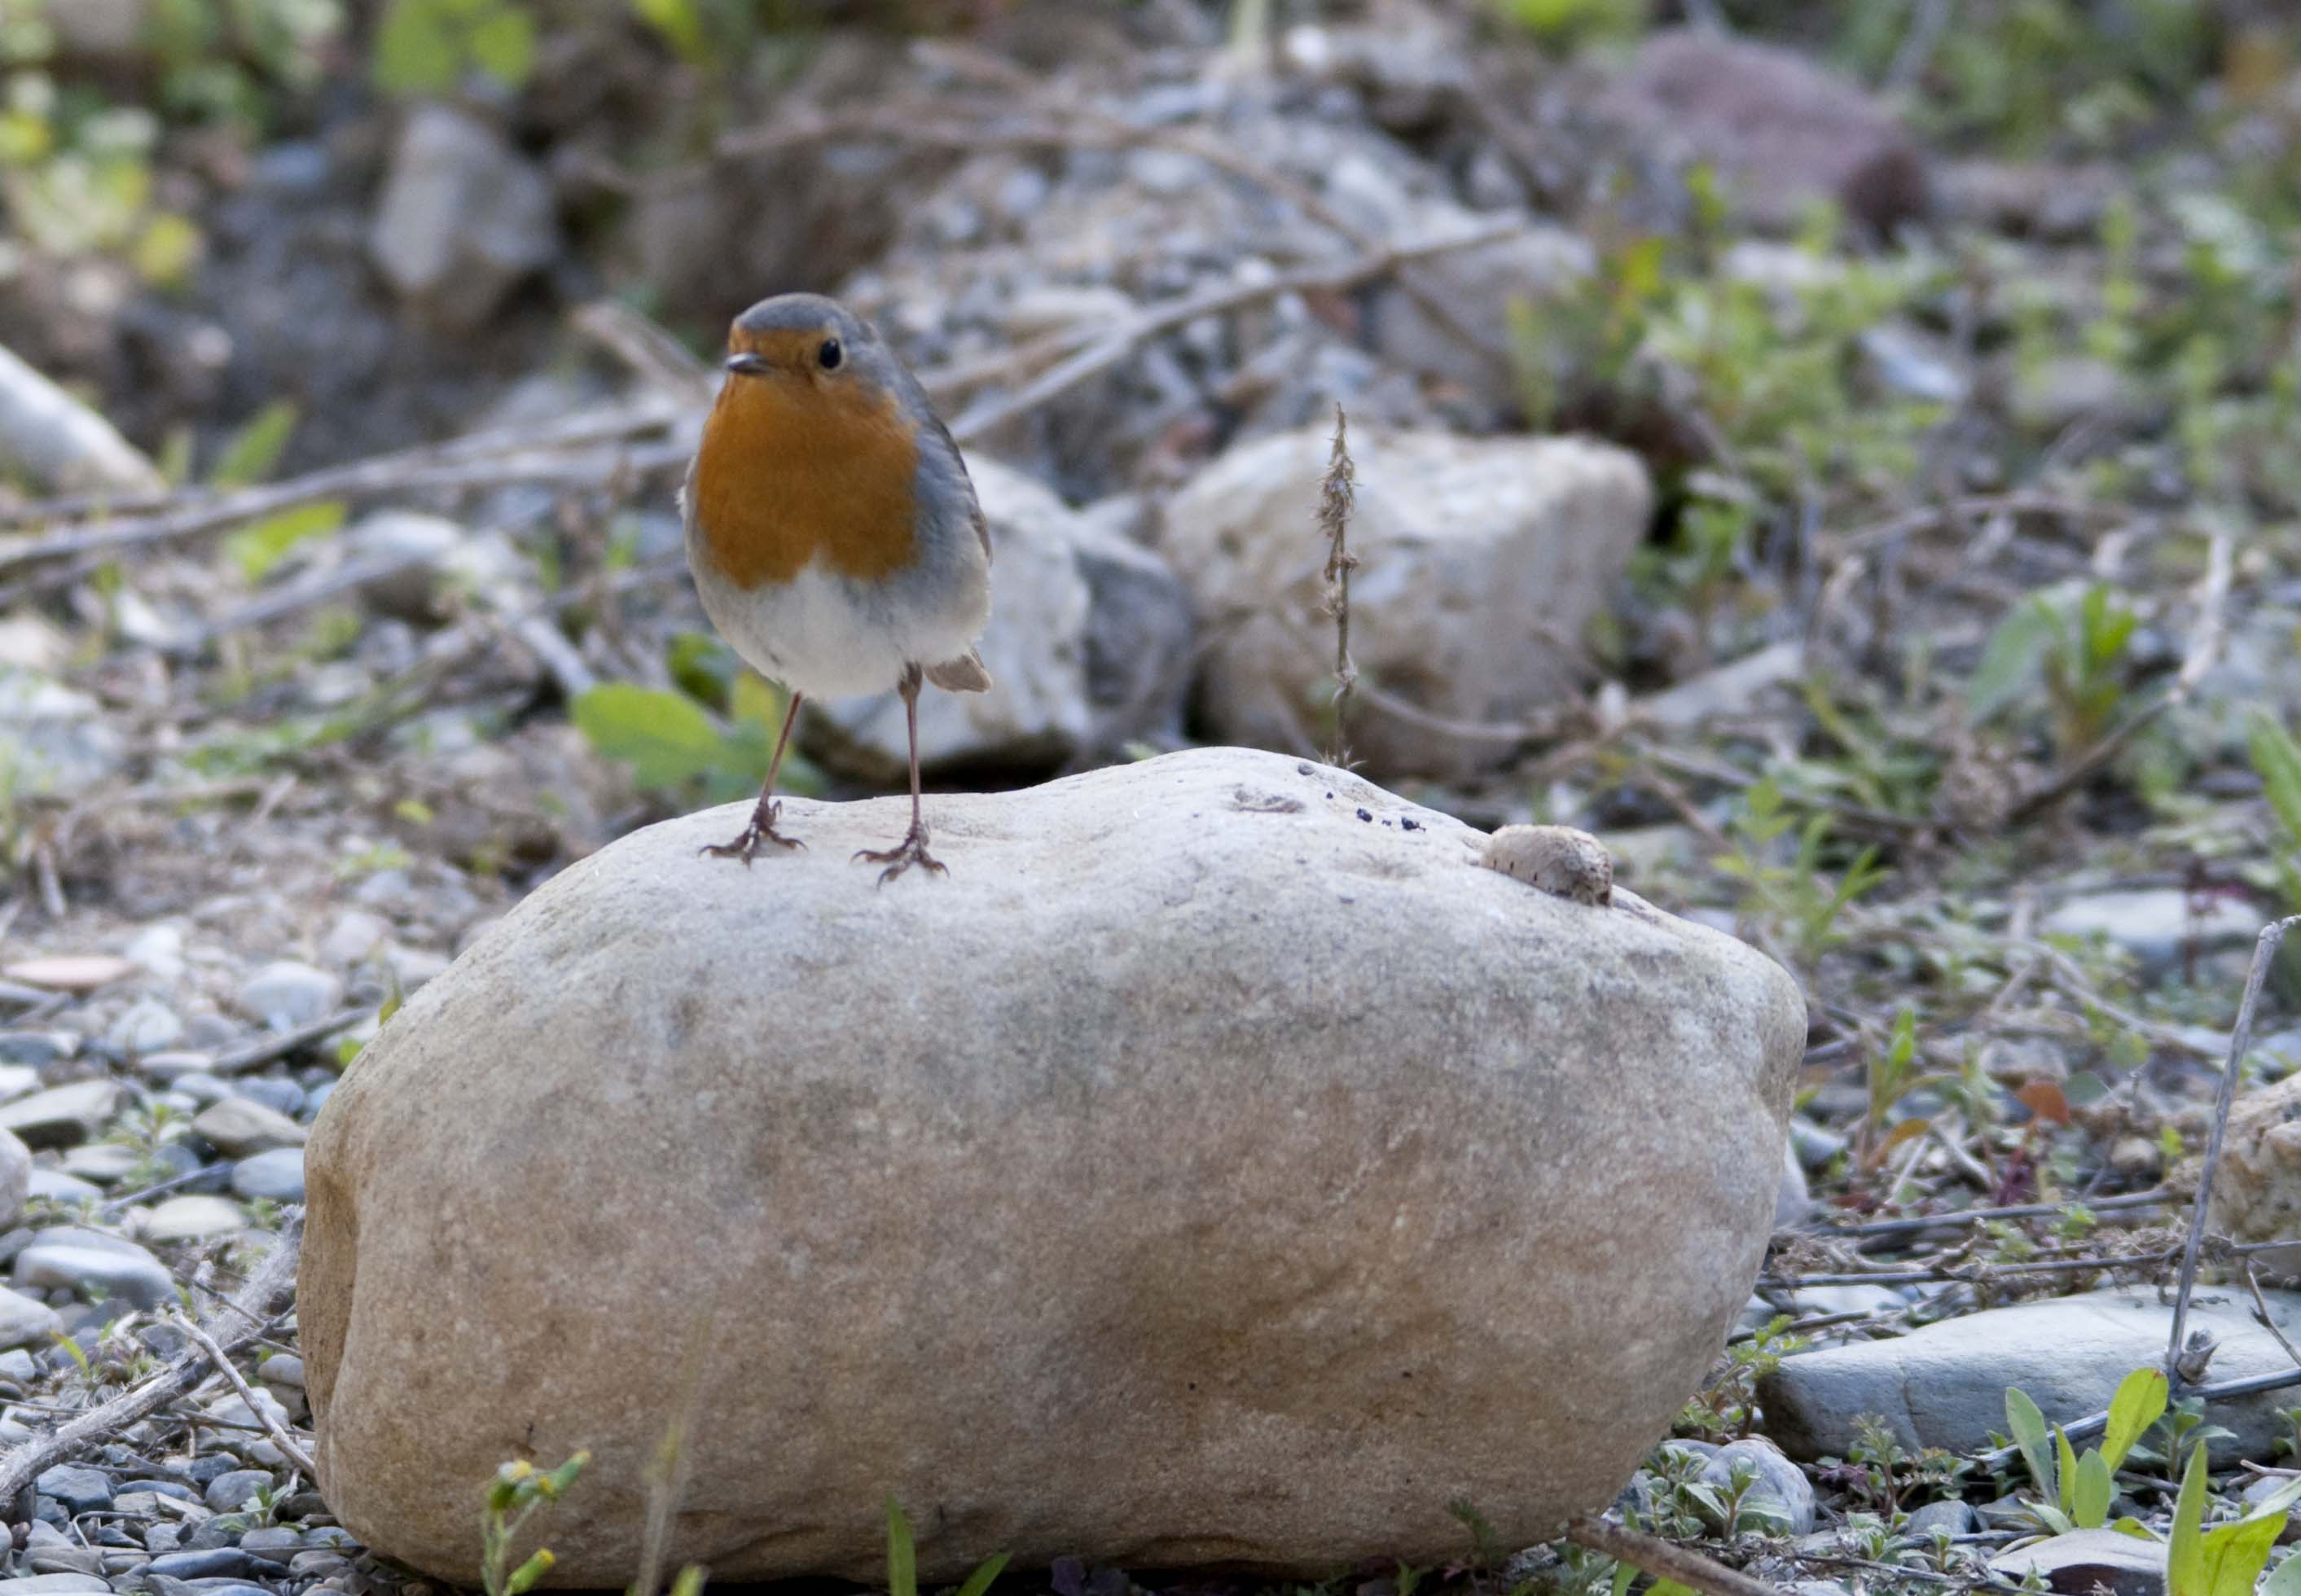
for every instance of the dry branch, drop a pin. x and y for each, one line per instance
(264, 1296)
(1664, 1559)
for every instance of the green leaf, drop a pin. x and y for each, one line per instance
(260, 546)
(414, 53)
(902, 1560)
(503, 46)
(2185, 1552)
(2090, 1507)
(690, 1581)
(2236, 1554)
(2139, 1403)
(679, 23)
(256, 447)
(2277, 1500)
(2277, 759)
(2027, 1425)
(2069, 1475)
(2285, 1579)
(978, 1581)
(665, 737)
(2011, 660)
(523, 1577)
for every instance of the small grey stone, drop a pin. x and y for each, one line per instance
(66, 1559)
(55, 1185)
(228, 1491)
(462, 219)
(37, 1048)
(319, 1562)
(103, 1161)
(63, 1116)
(194, 1219)
(147, 1026)
(273, 1542)
(163, 1537)
(359, 934)
(240, 1127)
(217, 1562)
(24, 1322)
(220, 1529)
(52, 1584)
(2078, 1562)
(1793, 1199)
(1815, 1146)
(1951, 1518)
(2157, 924)
(81, 1258)
(80, 1489)
(172, 1065)
(289, 992)
(282, 1096)
(15, 1362)
(203, 1087)
(1781, 1497)
(277, 1175)
(281, 1369)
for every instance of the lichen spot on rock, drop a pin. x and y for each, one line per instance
(1557, 859)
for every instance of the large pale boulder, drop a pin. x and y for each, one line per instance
(1482, 561)
(1218, 1166)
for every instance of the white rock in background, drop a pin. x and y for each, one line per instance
(463, 218)
(63, 444)
(1089, 644)
(16, 1177)
(287, 992)
(1476, 558)
(2155, 924)
(1204, 1109)
(57, 740)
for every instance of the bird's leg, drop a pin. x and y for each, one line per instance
(913, 849)
(762, 828)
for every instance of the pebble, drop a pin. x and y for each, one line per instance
(52, 1584)
(80, 1489)
(158, 950)
(1780, 1501)
(18, 1081)
(215, 1562)
(275, 1543)
(103, 1162)
(63, 1116)
(2088, 1559)
(240, 1127)
(2155, 925)
(287, 992)
(66, 1559)
(37, 1048)
(24, 1323)
(78, 973)
(203, 1087)
(274, 1092)
(277, 1175)
(356, 936)
(56, 1186)
(79, 1259)
(17, 1365)
(194, 1219)
(281, 1369)
(1953, 1519)
(148, 1026)
(172, 1065)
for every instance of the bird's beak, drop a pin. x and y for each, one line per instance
(748, 365)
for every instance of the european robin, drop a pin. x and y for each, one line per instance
(833, 533)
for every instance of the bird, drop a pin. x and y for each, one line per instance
(835, 535)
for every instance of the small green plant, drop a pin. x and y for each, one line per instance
(2077, 647)
(674, 746)
(2074, 1491)
(514, 1497)
(1798, 896)
(1487, 1549)
(428, 46)
(2228, 1558)
(1728, 1409)
(903, 1563)
(2277, 760)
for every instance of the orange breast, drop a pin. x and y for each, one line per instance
(793, 468)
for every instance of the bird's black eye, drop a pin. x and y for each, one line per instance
(829, 356)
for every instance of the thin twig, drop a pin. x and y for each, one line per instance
(2264, 954)
(273, 1427)
(1664, 1559)
(2261, 1314)
(274, 1282)
(1336, 495)
(2026, 1210)
(263, 1050)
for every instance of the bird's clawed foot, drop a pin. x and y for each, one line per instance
(911, 851)
(760, 833)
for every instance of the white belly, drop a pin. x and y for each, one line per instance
(825, 635)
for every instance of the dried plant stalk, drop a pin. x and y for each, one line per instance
(1336, 495)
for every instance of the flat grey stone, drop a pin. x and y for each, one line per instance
(79, 1260)
(1952, 1517)
(228, 1491)
(52, 1584)
(56, 1186)
(63, 1116)
(1943, 1385)
(277, 1175)
(2155, 925)
(80, 1489)
(240, 1127)
(25, 1322)
(287, 992)
(2078, 1562)
(1781, 1497)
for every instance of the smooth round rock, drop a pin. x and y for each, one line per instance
(1199, 1172)
(277, 1175)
